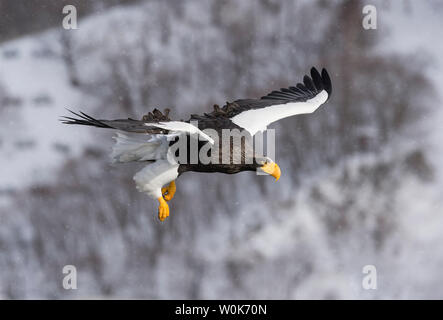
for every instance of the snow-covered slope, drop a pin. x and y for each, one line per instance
(37, 90)
(423, 26)
(311, 243)
(341, 220)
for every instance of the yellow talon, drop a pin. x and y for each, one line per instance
(163, 209)
(169, 191)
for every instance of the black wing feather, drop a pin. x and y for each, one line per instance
(309, 84)
(302, 87)
(327, 85)
(129, 125)
(301, 92)
(310, 87)
(316, 77)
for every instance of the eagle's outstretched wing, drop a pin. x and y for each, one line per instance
(128, 125)
(150, 124)
(251, 114)
(256, 114)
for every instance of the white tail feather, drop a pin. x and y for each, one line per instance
(136, 147)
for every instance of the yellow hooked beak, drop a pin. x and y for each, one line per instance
(272, 169)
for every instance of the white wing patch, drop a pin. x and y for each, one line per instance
(178, 126)
(255, 120)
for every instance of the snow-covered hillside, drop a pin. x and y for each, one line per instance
(370, 200)
(37, 90)
(422, 25)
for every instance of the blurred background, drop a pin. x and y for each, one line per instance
(361, 178)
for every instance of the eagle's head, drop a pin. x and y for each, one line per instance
(268, 166)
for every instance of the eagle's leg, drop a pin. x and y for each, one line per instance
(163, 209)
(169, 191)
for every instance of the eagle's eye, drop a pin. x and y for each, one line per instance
(266, 161)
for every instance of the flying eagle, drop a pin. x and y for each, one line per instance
(154, 138)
